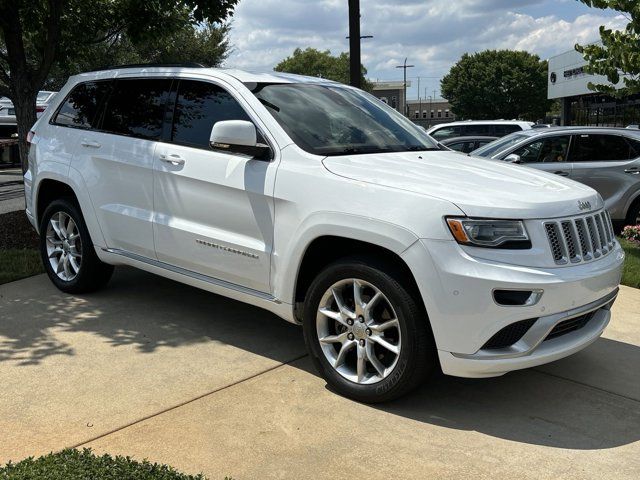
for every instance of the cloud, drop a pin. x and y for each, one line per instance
(433, 33)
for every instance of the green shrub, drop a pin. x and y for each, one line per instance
(631, 273)
(71, 464)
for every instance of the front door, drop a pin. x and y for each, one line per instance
(214, 211)
(548, 153)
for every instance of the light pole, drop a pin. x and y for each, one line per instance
(354, 44)
(404, 67)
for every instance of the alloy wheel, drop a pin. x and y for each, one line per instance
(358, 331)
(64, 246)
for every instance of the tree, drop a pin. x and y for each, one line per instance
(497, 84)
(205, 43)
(315, 63)
(35, 34)
(618, 57)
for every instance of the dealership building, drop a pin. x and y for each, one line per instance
(568, 82)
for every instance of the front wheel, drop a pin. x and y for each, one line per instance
(367, 333)
(67, 252)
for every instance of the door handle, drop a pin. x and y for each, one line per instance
(173, 159)
(562, 173)
(633, 171)
(90, 144)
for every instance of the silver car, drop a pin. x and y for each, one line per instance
(606, 159)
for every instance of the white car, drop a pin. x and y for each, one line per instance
(475, 128)
(321, 204)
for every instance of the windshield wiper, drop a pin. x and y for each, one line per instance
(418, 148)
(268, 104)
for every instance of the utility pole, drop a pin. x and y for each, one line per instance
(354, 44)
(404, 67)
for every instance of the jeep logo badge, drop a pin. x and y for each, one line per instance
(584, 205)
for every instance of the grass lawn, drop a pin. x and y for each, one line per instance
(631, 274)
(19, 263)
(19, 257)
(81, 465)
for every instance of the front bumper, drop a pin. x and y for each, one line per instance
(457, 292)
(534, 348)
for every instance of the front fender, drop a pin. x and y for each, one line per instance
(354, 227)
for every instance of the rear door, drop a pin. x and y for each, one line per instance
(116, 161)
(549, 153)
(214, 210)
(610, 164)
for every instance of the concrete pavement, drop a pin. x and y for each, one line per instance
(158, 370)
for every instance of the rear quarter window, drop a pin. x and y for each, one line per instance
(80, 108)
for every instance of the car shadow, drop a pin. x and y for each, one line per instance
(558, 405)
(139, 309)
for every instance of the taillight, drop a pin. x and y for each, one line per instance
(30, 136)
(40, 109)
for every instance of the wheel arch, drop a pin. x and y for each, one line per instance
(327, 249)
(633, 202)
(53, 185)
(332, 236)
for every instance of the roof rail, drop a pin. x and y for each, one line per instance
(150, 65)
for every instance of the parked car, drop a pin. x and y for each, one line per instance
(323, 205)
(8, 113)
(606, 159)
(466, 144)
(473, 128)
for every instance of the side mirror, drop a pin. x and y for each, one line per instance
(513, 158)
(238, 137)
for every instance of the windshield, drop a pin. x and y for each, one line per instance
(496, 146)
(334, 120)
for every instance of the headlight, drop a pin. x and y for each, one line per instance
(489, 233)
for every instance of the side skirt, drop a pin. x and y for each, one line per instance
(194, 279)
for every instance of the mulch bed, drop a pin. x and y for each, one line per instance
(16, 231)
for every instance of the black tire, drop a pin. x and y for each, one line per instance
(93, 273)
(633, 214)
(417, 359)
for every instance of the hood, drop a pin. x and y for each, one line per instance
(480, 188)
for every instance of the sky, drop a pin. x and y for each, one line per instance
(432, 34)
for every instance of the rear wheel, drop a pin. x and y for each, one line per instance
(633, 217)
(367, 332)
(67, 252)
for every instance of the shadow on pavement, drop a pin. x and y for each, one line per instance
(588, 409)
(536, 407)
(137, 309)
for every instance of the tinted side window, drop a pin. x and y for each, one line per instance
(478, 129)
(502, 130)
(198, 107)
(80, 108)
(136, 108)
(447, 132)
(591, 148)
(635, 146)
(552, 149)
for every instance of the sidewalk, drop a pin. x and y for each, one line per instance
(158, 370)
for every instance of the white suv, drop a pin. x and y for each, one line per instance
(317, 202)
(477, 128)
